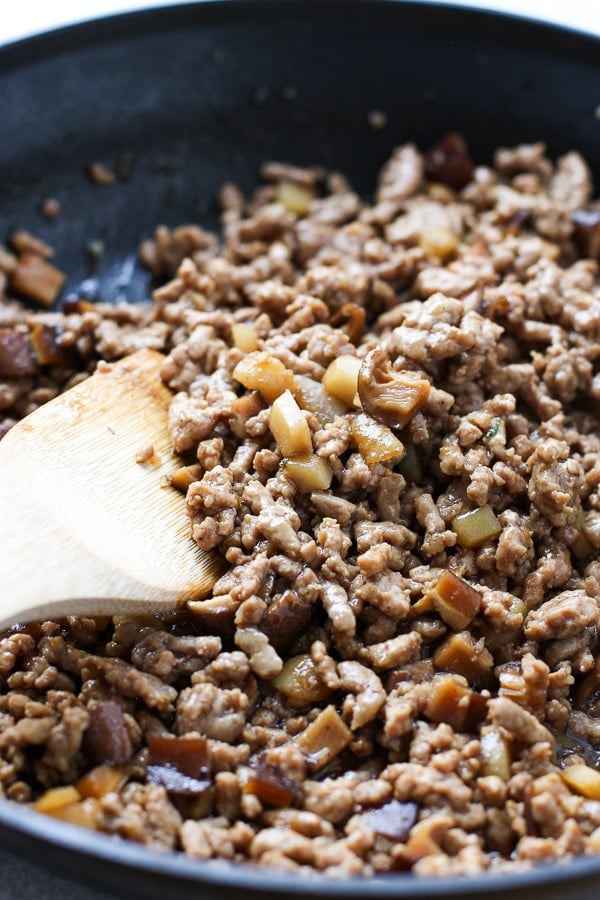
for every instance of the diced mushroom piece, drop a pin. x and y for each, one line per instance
(454, 599)
(189, 755)
(449, 162)
(16, 356)
(106, 738)
(351, 319)
(271, 786)
(375, 442)
(495, 753)
(180, 765)
(183, 477)
(101, 781)
(287, 618)
(289, 427)
(464, 655)
(310, 473)
(46, 346)
(37, 279)
(453, 702)
(324, 738)
(295, 197)
(175, 782)
(259, 371)
(390, 397)
(393, 820)
(216, 614)
(476, 527)
(312, 396)
(244, 336)
(583, 780)
(299, 681)
(57, 798)
(341, 378)
(586, 232)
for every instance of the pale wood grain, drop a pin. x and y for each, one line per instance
(84, 527)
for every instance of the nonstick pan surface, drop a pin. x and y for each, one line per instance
(181, 99)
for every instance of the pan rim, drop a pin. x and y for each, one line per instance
(524, 30)
(218, 873)
(570, 42)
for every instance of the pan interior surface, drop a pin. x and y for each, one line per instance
(181, 99)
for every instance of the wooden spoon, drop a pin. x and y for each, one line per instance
(85, 528)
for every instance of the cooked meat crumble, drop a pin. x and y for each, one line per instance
(386, 417)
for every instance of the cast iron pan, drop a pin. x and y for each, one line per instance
(181, 99)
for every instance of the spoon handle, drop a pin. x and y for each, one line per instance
(86, 526)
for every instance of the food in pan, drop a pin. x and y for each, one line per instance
(386, 414)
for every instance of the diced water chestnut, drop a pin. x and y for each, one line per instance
(244, 336)
(341, 378)
(296, 198)
(454, 599)
(309, 473)
(583, 780)
(259, 371)
(312, 396)
(324, 738)
(289, 427)
(495, 753)
(476, 527)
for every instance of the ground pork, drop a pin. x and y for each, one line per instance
(399, 663)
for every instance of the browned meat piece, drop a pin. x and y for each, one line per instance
(563, 616)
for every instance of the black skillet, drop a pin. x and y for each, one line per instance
(179, 100)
